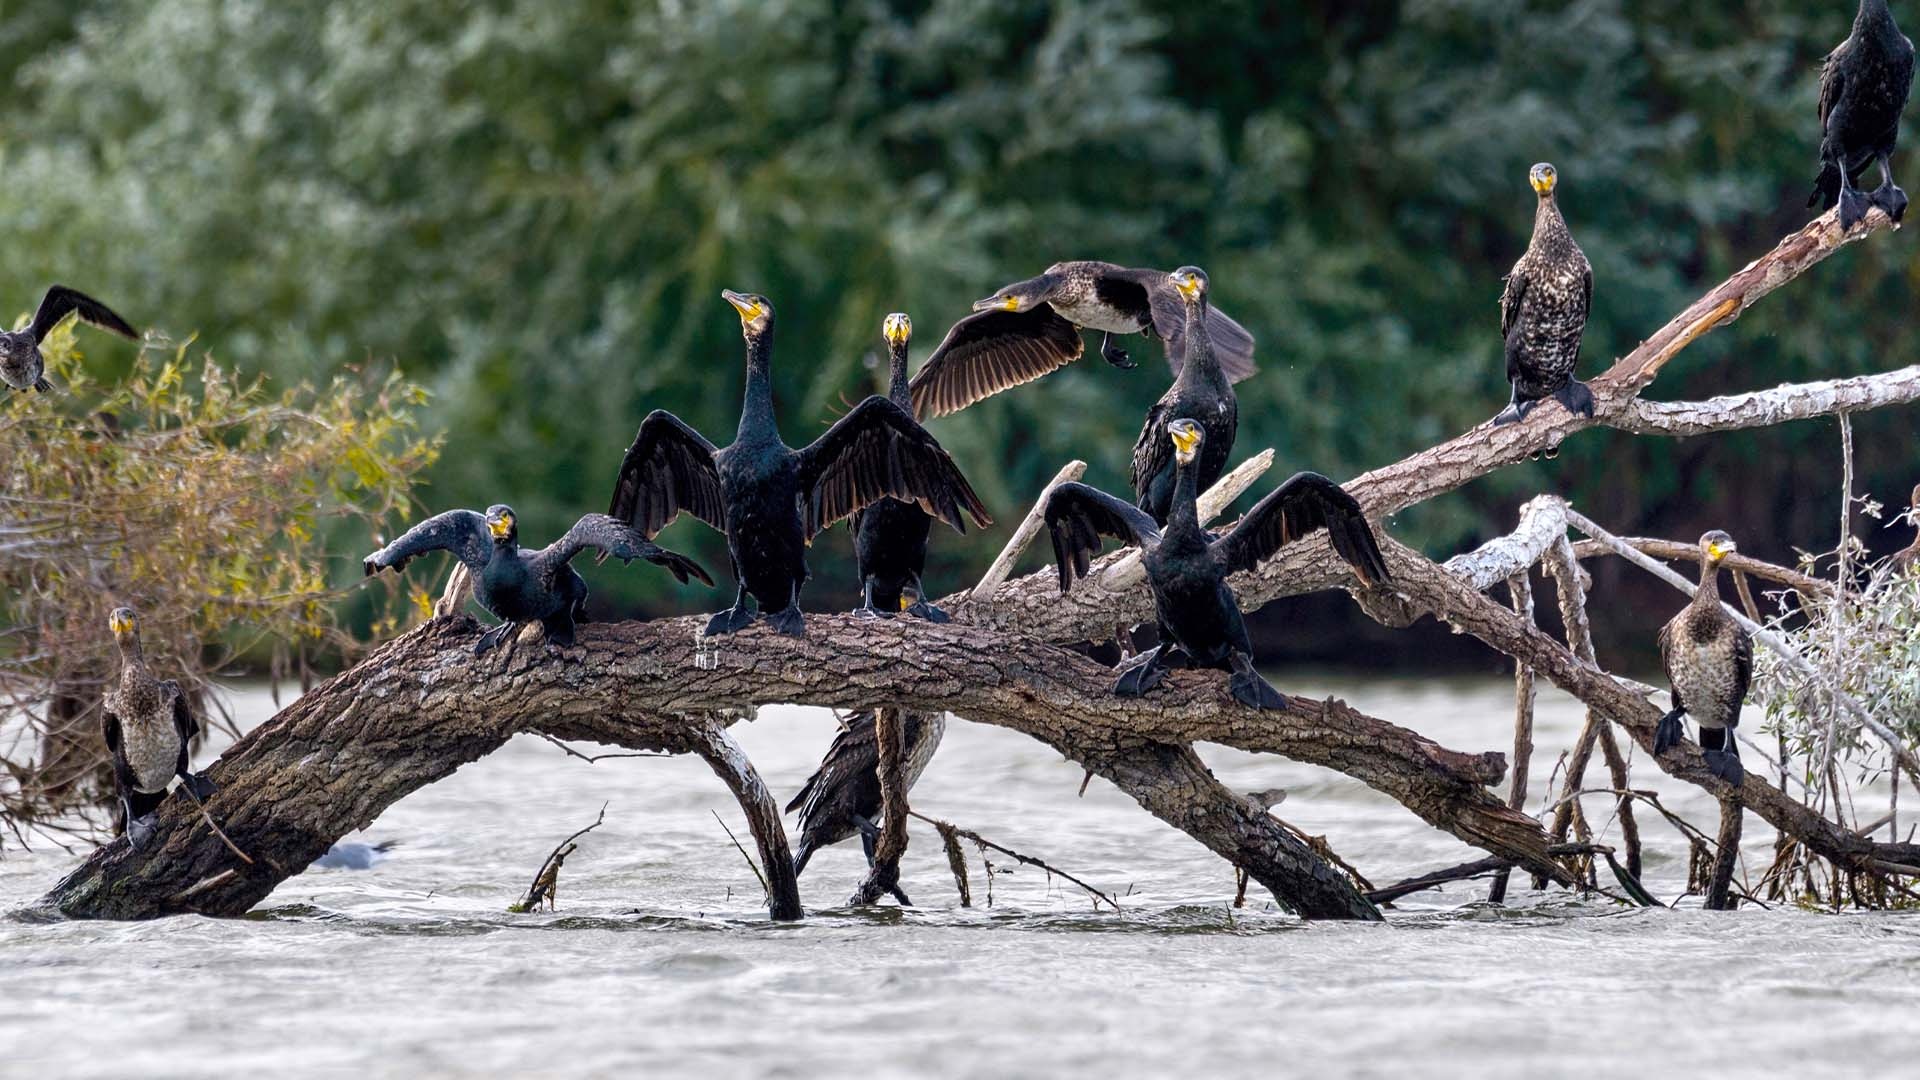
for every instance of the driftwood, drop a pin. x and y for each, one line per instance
(890, 737)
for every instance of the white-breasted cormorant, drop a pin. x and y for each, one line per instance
(1030, 328)
(890, 537)
(842, 796)
(1201, 392)
(770, 499)
(520, 585)
(1863, 90)
(1544, 309)
(21, 365)
(1187, 567)
(1709, 661)
(149, 729)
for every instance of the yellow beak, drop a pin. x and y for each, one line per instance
(119, 624)
(1184, 439)
(748, 310)
(1716, 552)
(1189, 287)
(899, 329)
(499, 527)
(1543, 185)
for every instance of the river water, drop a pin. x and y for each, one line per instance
(660, 957)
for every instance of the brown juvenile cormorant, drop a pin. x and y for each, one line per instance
(1709, 661)
(1032, 327)
(843, 795)
(1201, 393)
(1543, 311)
(520, 585)
(149, 729)
(769, 499)
(1863, 89)
(21, 365)
(1909, 558)
(890, 537)
(1187, 567)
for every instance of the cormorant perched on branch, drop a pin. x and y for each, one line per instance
(1032, 327)
(890, 537)
(769, 499)
(520, 585)
(21, 365)
(1187, 568)
(1909, 558)
(1201, 392)
(1543, 312)
(148, 728)
(1709, 661)
(1863, 89)
(843, 795)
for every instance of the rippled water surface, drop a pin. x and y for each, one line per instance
(660, 957)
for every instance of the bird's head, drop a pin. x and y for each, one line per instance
(125, 624)
(1191, 282)
(1019, 296)
(898, 329)
(502, 525)
(1544, 178)
(756, 312)
(1716, 546)
(1187, 437)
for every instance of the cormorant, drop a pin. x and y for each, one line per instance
(1201, 393)
(843, 795)
(520, 585)
(1709, 661)
(1863, 89)
(21, 365)
(1909, 558)
(1187, 567)
(890, 537)
(769, 499)
(1543, 311)
(1030, 328)
(148, 727)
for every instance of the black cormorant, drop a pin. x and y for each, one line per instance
(1709, 661)
(890, 537)
(1187, 567)
(1863, 90)
(1543, 311)
(843, 795)
(769, 499)
(1201, 393)
(520, 585)
(1032, 327)
(149, 728)
(21, 365)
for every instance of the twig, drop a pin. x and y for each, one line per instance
(591, 758)
(546, 882)
(1741, 565)
(1462, 872)
(765, 889)
(946, 828)
(208, 818)
(956, 859)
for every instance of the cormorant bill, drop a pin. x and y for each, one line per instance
(520, 585)
(1201, 393)
(1187, 568)
(149, 730)
(1863, 90)
(843, 795)
(1709, 661)
(21, 365)
(1030, 328)
(890, 537)
(769, 499)
(1543, 312)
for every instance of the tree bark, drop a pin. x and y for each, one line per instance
(890, 738)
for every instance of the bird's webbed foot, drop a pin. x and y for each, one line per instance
(788, 621)
(1515, 412)
(869, 835)
(1141, 674)
(1669, 733)
(1114, 354)
(1854, 205)
(1576, 397)
(868, 611)
(928, 612)
(197, 783)
(1890, 198)
(732, 620)
(1251, 690)
(1725, 764)
(140, 831)
(495, 637)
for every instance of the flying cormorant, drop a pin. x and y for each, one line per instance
(148, 729)
(520, 585)
(1201, 393)
(843, 795)
(1187, 568)
(1863, 89)
(21, 365)
(1032, 327)
(1543, 311)
(769, 499)
(890, 537)
(1709, 661)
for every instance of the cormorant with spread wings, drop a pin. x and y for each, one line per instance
(21, 365)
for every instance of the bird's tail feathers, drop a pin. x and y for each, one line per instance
(1826, 188)
(44, 385)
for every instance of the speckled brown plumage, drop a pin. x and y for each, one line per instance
(21, 365)
(1544, 309)
(148, 730)
(1709, 664)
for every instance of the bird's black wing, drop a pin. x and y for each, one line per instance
(1130, 292)
(60, 300)
(1232, 344)
(1152, 450)
(1305, 503)
(462, 532)
(1833, 80)
(1510, 299)
(668, 469)
(878, 451)
(1742, 674)
(991, 351)
(184, 725)
(617, 539)
(1078, 516)
(854, 754)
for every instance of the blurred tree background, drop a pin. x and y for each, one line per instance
(531, 207)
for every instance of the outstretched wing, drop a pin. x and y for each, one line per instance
(991, 351)
(1078, 516)
(1232, 344)
(668, 469)
(1305, 503)
(615, 538)
(1152, 451)
(1832, 80)
(878, 451)
(462, 532)
(1510, 299)
(60, 300)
